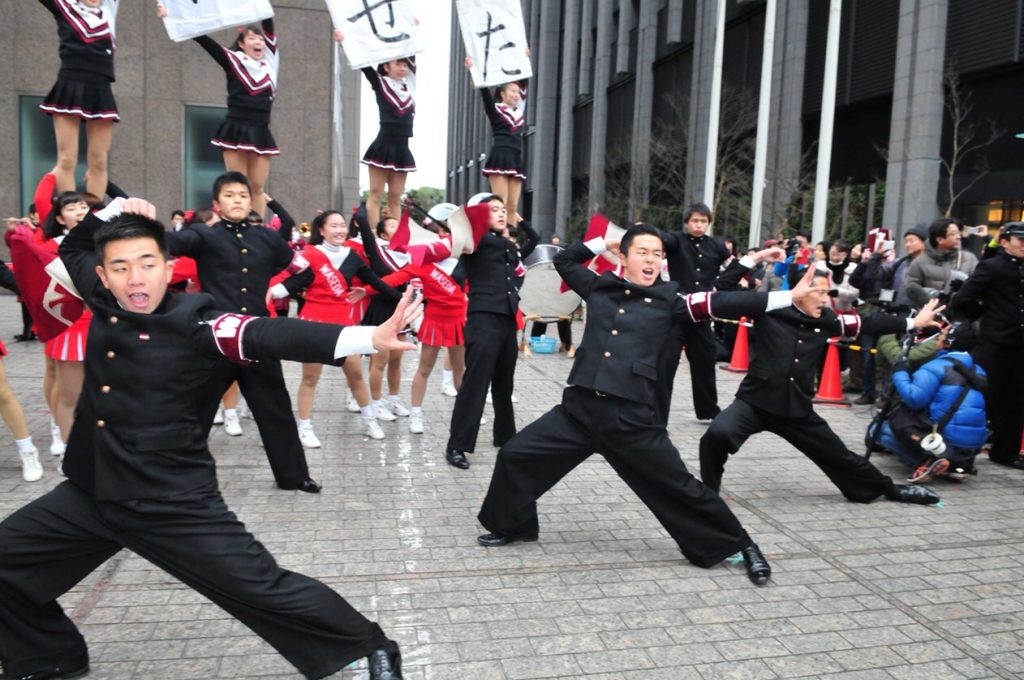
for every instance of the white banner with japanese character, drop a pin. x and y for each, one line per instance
(495, 39)
(377, 31)
(188, 19)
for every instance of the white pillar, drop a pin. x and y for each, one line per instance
(714, 111)
(763, 109)
(828, 114)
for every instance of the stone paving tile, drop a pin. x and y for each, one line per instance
(859, 591)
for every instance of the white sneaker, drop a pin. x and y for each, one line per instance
(515, 399)
(416, 423)
(232, 427)
(398, 408)
(352, 406)
(58, 447)
(31, 470)
(218, 418)
(373, 430)
(382, 412)
(309, 438)
(448, 390)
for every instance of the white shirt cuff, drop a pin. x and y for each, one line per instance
(355, 340)
(596, 245)
(112, 210)
(779, 299)
(910, 324)
(748, 262)
(278, 291)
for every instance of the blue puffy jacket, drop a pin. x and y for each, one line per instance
(936, 385)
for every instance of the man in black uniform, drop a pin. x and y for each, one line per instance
(609, 407)
(140, 474)
(777, 391)
(694, 260)
(491, 349)
(995, 294)
(236, 261)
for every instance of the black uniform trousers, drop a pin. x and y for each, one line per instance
(701, 353)
(856, 478)
(491, 354)
(262, 384)
(564, 331)
(635, 443)
(1004, 368)
(54, 542)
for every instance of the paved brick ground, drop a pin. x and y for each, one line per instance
(859, 591)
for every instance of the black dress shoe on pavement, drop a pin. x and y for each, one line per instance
(74, 668)
(386, 662)
(494, 540)
(913, 493)
(457, 459)
(309, 486)
(758, 569)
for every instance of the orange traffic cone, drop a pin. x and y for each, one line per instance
(740, 360)
(830, 389)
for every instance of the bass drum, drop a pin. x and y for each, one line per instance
(541, 297)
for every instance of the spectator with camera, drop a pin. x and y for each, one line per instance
(994, 295)
(943, 263)
(880, 277)
(939, 426)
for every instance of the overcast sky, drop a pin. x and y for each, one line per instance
(430, 135)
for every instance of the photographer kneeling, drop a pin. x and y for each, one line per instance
(939, 427)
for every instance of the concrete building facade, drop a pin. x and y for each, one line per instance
(618, 111)
(169, 95)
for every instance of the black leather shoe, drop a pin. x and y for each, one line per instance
(309, 486)
(74, 668)
(457, 459)
(494, 540)
(386, 662)
(913, 493)
(758, 569)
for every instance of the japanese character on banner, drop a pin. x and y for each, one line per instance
(377, 31)
(188, 19)
(495, 38)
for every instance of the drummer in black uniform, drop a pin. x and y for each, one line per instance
(236, 262)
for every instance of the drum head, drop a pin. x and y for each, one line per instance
(541, 296)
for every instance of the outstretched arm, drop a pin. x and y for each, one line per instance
(244, 339)
(569, 264)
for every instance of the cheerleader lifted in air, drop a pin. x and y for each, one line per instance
(86, 29)
(251, 65)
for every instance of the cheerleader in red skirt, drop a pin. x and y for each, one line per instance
(326, 284)
(65, 353)
(82, 91)
(444, 319)
(10, 408)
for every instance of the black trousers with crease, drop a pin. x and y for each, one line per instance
(54, 542)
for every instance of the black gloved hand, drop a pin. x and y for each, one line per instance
(901, 364)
